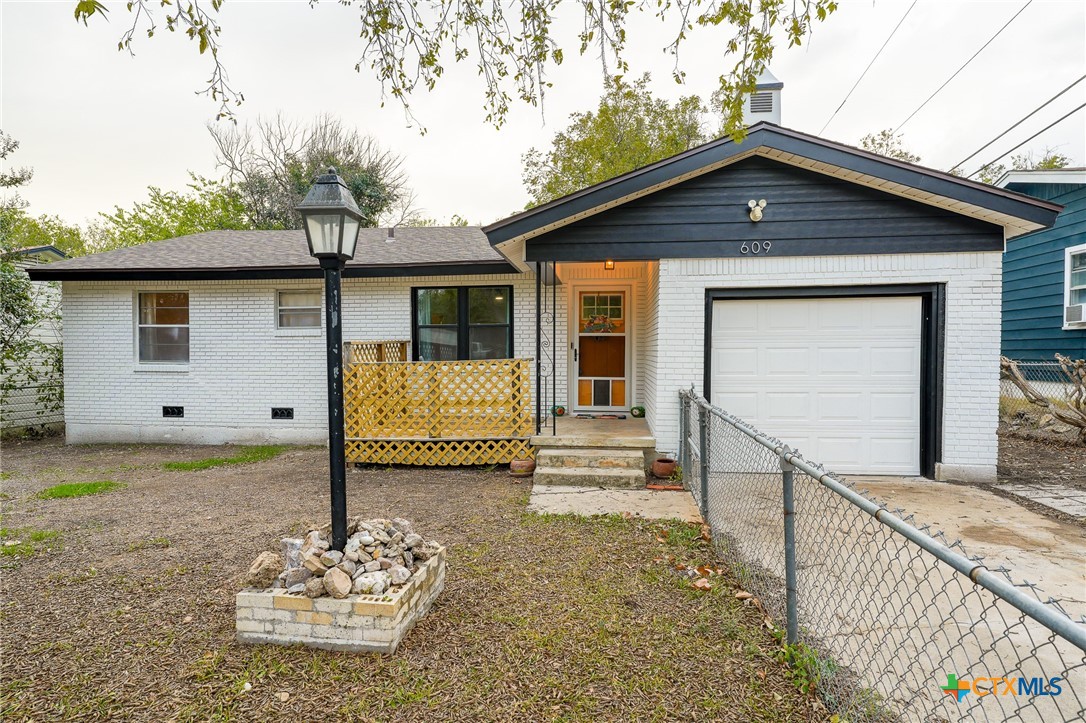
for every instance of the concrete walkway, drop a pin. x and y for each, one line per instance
(587, 501)
(1068, 500)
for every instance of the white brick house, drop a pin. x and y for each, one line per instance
(858, 318)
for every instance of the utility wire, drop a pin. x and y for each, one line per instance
(885, 42)
(1076, 110)
(902, 124)
(961, 163)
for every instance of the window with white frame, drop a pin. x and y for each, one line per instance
(1075, 287)
(299, 309)
(162, 327)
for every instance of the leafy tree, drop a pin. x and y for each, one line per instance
(273, 164)
(407, 42)
(12, 178)
(885, 143)
(419, 221)
(26, 308)
(25, 231)
(628, 130)
(1049, 159)
(209, 205)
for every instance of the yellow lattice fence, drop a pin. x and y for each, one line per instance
(438, 413)
(375, 351)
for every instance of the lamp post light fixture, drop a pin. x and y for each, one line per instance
(332, 220)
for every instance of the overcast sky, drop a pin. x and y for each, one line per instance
(99, 126)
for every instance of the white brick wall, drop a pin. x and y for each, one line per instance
(971, 363)
(239, 367)
(650, 343)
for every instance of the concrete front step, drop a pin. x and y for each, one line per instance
(620, 478)
(593, 458)
(593, 441)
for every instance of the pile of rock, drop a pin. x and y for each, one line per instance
(380, 555)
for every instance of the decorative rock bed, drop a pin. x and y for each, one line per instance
(365, 598)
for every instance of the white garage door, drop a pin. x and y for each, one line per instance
(839, 379)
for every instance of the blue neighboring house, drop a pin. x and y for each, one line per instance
(1044, 273)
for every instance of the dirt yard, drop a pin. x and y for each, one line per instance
(1023, 460)
(125, 608)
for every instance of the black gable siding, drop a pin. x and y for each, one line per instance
(808, 214)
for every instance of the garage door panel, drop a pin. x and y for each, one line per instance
(836, 452)
(895, 361)
(893, 315)
(743, 405)
(837, 361)
(894, 407)
(736, 362)
(735, 320)
(787, 406)
(844, 386)
(838, 316)
(787, 361)
(890, 453)
(841, 406)
(785, 316)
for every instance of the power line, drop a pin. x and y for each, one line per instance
(1076, 110)
(902, 124)
(1034, 112)
(892, 32)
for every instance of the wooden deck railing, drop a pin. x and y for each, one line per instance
(438, 413)
(357, 352)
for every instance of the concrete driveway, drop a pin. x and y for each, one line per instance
(1037, 548)
(890, 618)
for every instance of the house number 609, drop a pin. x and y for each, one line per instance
(756, 248)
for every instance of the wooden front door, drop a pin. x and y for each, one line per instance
(602, 350)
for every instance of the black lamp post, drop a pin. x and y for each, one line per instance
(332, 220)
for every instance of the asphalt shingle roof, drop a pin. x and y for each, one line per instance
(287, 250)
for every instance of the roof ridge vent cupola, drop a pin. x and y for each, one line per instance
(331, 218)
(764, 104)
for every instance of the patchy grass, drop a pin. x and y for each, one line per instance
(78, 489)
(157, 543)
(247, 455)
(24, 542)
(543, 617)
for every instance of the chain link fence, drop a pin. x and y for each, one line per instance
(23, 408)
(887, 618)
(1050, 381)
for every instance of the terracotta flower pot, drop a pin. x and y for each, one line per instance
(663, 468)
(522, 467)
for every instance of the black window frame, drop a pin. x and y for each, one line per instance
(463, 322)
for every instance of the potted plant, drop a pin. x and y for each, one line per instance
(663, 467)
(522, 467)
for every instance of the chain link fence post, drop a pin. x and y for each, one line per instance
(682, 438)
(703, 421)
(791, 589)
